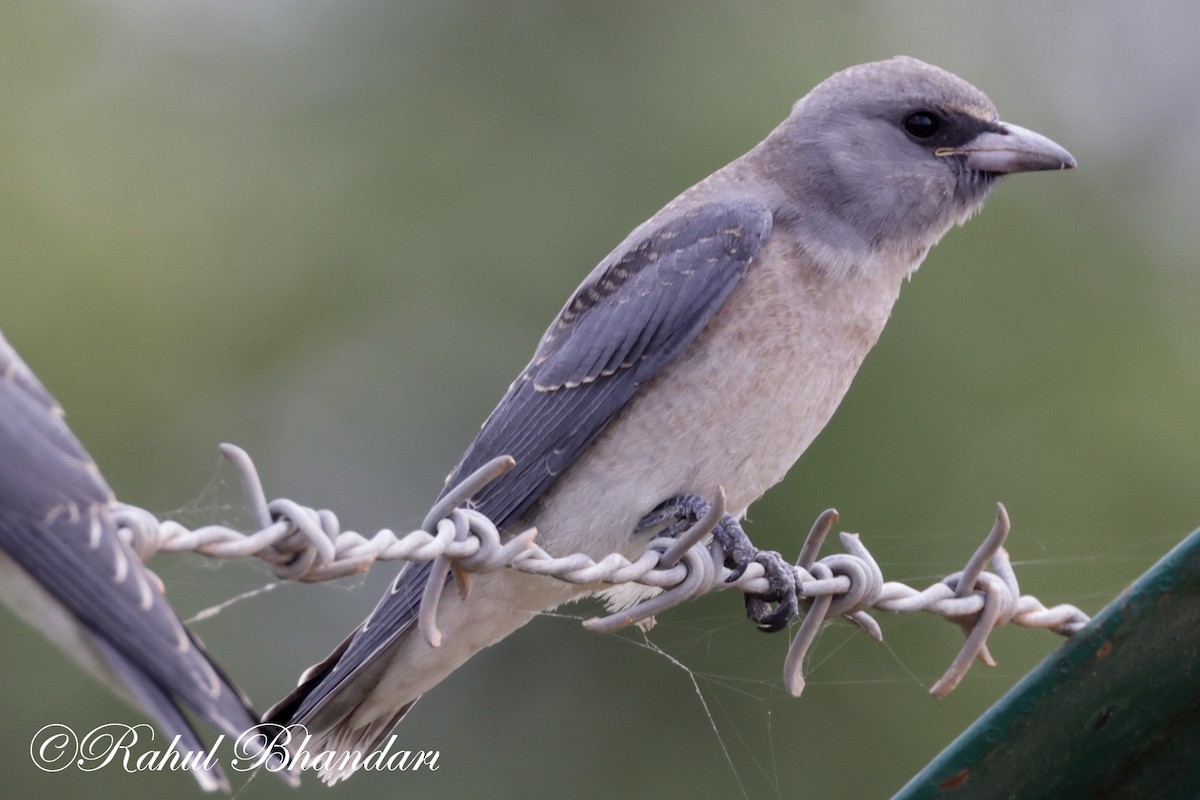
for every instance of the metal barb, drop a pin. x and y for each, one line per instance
(793, 664)
(467, 489)
(987, 549)
(252, 487)
(816, 537)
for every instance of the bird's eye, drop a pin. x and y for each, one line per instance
(922, 124)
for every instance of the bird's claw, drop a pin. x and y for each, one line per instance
(740, 553)
(772, 611)
(782, 578)
(737, 572)
(673, 517)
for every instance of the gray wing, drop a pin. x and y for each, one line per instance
(636, 312)
(55, 524)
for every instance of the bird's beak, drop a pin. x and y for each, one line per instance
(1011, 149)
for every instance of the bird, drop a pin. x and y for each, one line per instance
(704, 353)
(66, 571)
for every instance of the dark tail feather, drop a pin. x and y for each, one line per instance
(163, 710)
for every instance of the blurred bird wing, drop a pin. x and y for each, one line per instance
(56, 526)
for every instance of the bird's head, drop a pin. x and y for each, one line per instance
(893, 153)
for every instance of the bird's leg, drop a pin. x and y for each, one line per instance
(679, 513)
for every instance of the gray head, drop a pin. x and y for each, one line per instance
(885, 157)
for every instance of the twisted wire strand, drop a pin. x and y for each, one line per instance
(308, 545)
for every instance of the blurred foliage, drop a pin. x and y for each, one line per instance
(333, 232)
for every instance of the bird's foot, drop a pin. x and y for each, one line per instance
(679, 513)
(782, 579)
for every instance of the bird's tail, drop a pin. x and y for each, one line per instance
(335, 750)
(342, 749)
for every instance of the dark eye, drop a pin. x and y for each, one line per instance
(922, 124)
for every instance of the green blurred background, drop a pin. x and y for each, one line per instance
(333, 232)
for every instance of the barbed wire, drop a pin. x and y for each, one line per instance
(308, 545)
